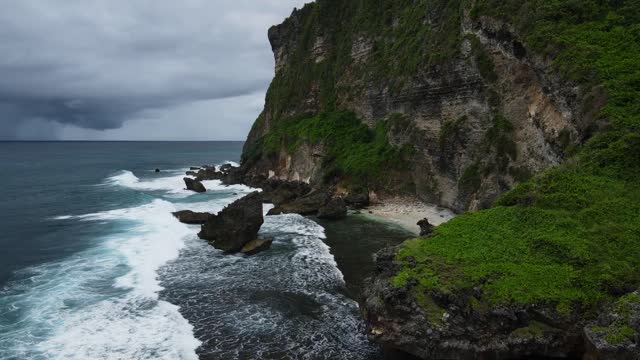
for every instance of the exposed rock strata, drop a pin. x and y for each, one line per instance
(450, 110)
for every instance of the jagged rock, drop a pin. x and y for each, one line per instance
(305, 205)
(194, 168)
(194, 185)
(357, 199)
(449, 127)
(236, 225)
(278, 191)
(192, 173)
(461, 325)
(226, 167)
(255, 246)
(425, 227)
(334, 209)
(233, 176)
(190, 217)
(616, 333)
(209, 174)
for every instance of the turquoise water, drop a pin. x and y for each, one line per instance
(94, 266)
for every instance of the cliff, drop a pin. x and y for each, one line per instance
(468, 108)
(527, 111)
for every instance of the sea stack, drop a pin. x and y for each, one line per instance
(236, 225)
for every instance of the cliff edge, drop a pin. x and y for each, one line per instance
(526, 113)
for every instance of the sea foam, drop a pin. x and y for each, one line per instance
(68, 310)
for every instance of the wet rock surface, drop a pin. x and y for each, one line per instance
(335, 209)
(305, 205)
(255, 246)
(190, 217)
(194, 185)
(236, 225)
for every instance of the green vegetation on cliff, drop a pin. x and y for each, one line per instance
(569, 237)
(402, 45)
(353, 150)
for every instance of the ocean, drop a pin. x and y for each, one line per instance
(94, 266)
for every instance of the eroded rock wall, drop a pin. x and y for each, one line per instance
(480, 122)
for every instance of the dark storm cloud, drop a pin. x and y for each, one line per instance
(98, 64)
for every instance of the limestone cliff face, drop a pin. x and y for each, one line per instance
(482, 118)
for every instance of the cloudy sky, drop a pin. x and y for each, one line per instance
(134, 69)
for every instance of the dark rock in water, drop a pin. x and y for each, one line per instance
(209, 174)
(235, 193)
(616, 333)
(425, 227)
(255, 246)
(192, 173)
(157, 170)
(195, 168)
(194, 185)
(226, 167)
(334, 209)
(357, 199)
(305, 205)
(236, 225)
(190, 217)
(233, 176)
(461, 325)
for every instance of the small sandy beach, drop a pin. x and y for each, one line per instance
(406, 212)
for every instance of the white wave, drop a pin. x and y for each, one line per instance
(171, 184)
(68, 311)
(216, 185)
(313, 260)
(232, 163)
(123, 330)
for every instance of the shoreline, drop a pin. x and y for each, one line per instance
(406, 212)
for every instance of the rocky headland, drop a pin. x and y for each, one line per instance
(518, 115)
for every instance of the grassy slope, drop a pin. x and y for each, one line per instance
(569, 237)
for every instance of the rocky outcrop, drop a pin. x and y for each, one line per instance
(461, 326)
(233, 176)
(616, 333)
(208, 174)
(194, 185)
(255, 246)
(304, 205)
(335, 209)
(236, 225)
(277, 191)
(357, 199)
(425, 227)
(190, 217)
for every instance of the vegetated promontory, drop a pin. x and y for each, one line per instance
(525, 114)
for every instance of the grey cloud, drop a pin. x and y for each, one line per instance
(98, 64)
